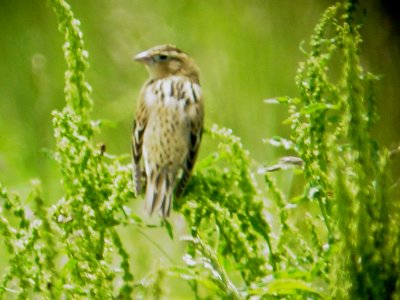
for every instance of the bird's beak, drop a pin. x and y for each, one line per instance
(142, 57)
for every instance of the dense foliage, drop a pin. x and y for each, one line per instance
(339, 238)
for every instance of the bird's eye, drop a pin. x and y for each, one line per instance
(161, 57)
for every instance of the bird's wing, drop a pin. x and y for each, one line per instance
(139, 126)
(196, 117)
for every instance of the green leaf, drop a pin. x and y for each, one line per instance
(169, 228)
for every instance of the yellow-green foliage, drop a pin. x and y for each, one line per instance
(339, 239)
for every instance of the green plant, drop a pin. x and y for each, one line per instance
(346, 172)
(80, 229)
(245, 238)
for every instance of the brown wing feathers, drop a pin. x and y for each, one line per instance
(139, 126)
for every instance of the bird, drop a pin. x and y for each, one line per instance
(168, 126)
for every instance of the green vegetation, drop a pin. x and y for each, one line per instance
(244, 237)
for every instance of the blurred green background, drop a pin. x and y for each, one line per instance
(247, 51)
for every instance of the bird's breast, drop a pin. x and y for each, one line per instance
(172, 92)
(167, 135)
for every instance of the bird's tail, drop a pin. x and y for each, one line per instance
(159, 192)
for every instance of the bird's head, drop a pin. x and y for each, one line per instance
(167, 60)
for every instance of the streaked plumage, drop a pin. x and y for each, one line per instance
(168, 125)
